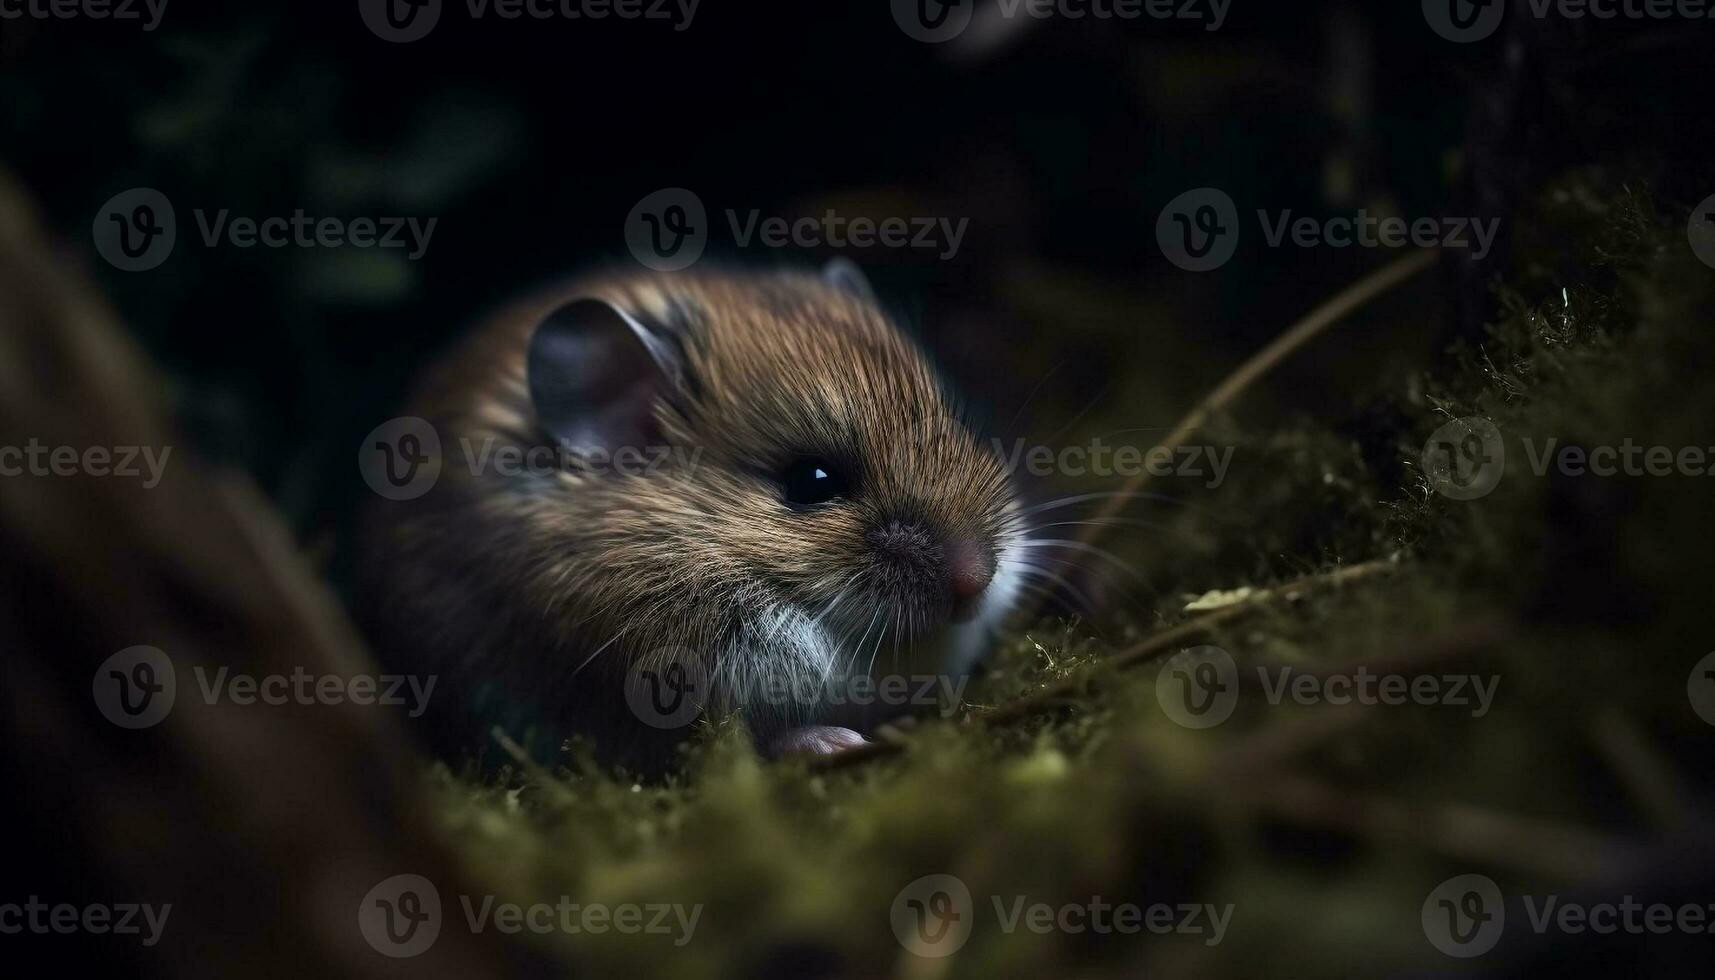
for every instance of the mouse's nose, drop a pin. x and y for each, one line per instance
(960, 565)
(970, 567)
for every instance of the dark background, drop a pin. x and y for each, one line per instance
(531, 140)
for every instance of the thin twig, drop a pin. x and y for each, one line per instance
(1143, 651)
(1646, 774)
(1336, 308)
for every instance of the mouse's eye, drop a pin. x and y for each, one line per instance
(810, 480)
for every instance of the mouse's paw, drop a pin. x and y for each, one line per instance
(814, 740)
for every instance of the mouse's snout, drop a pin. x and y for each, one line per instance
(970, 566)
(958, 569)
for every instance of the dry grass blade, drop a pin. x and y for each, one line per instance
(1341, 305)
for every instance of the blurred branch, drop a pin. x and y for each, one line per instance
(263, 825)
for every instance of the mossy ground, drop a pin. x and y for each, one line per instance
(1324, 827)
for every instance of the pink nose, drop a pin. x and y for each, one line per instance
(969, 569)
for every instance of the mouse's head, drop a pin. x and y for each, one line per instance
(822, 496)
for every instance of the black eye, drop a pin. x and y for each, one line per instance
(810, 480)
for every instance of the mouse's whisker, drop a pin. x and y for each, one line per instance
(1106, 522)
(1084, 548)
(597, 652)
(1077, 604)
(1028, 567)
(1081, 498)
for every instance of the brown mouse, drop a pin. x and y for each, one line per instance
(801, 503)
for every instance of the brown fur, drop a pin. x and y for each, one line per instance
(521, 580)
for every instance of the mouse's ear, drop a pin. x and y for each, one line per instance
(594, 373)
(843, 273)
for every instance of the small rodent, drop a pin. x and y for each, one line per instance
(804, 502)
